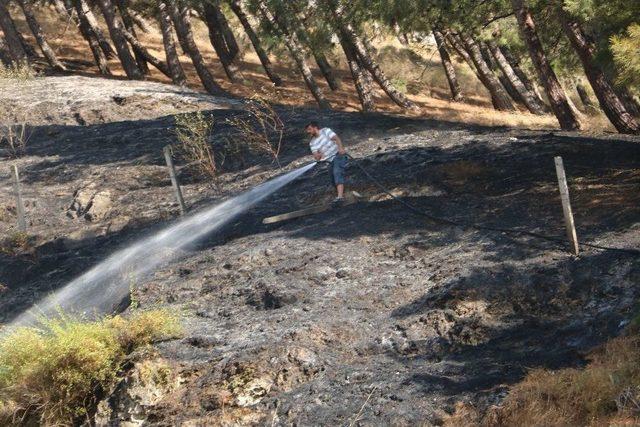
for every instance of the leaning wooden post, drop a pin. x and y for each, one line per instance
(174, 179)
(22, 222)
(566, 206)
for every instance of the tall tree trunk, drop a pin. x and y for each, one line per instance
(507, 85)
(631, 104)
(236, 7)
(61, 8)
(295, 48)
(449, 69)
(129, 26)
(143, 53)
(173, 62)
(360, 77)
(37, 32)
(91, 37)
(298, 24)
(528, 98)
(225, 29)
(555, 93)
(460, 50)
(93, 23)
(11, 34)
(524, 78)
(351, 37)
(456, 44)
(122, 47)
(5, 55)
(325, 68)
(607, 97)
(488, 78)
(573, 107)
(180, 18)
(585, 97)
(140, 22)
(218, 42)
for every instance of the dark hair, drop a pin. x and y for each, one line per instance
(312, 124)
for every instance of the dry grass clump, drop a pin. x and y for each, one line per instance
(606, 392)
(260, 129)
(54, 374)
(14, 138)
(16, 243)
(193, 130)
(17, 72)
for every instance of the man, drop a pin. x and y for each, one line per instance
(326, 146)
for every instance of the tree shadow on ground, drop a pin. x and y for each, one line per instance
(141, 141)
(508, 185)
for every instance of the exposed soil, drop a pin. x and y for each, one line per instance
(364, 315)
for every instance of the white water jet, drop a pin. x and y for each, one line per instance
(105, 286)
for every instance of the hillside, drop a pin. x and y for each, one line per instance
(363, 315)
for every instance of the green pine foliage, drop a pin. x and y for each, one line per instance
(626, 54)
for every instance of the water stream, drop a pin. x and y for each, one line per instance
(105, 286)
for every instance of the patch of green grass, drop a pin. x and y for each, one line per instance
(54, 374)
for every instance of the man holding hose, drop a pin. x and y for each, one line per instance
(326, 146)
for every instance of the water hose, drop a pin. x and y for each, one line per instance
(476, 226)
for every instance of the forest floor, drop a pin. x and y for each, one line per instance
(364, 315)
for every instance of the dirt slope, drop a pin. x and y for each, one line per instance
(364, 315)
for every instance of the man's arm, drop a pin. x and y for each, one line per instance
(338, 141)
(317, 155)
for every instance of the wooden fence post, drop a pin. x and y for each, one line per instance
(22, 222)
(566, 206)
(174, 179)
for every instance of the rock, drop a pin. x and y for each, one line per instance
(343, 273)
(253, 392)
(143, 387)
(90, 203)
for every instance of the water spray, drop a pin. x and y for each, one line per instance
(104, 287)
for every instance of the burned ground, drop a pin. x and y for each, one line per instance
(367, 314)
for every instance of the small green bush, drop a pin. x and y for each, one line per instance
(53, 374)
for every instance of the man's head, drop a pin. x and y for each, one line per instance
(312, 128)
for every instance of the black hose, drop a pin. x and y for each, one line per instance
(476, 226)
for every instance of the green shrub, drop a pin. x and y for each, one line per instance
(400, 84)
(54, 373)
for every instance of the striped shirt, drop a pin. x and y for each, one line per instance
(324, 144)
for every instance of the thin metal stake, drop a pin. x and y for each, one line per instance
(566, 206)
(174, 179)
(22, 222)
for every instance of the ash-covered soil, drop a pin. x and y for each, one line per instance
(365, 315)
(79, 100)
